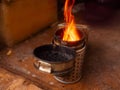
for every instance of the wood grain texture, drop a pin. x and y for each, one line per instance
(22, 18)
(10, 81)
(101, 69)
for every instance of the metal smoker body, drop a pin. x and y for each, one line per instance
(80, 48)
(69, 71)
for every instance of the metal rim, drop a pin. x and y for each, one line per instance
(38, 49)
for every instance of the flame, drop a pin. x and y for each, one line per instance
(70, 32)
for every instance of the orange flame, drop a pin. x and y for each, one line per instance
(70, 32)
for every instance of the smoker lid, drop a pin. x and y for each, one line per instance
(54, 54)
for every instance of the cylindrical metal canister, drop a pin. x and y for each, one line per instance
(80, 48)
(57, 60)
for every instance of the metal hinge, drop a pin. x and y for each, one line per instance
(43, 66)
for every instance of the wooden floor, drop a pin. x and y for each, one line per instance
(101, 70)
(10, 81)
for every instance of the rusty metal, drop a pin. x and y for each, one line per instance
(56, 67)
(79, 46)
(43, 66)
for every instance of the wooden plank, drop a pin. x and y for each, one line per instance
(22, 18)
(10, 81)
(101, 67)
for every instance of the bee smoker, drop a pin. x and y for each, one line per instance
(80, 49)
(56, 60)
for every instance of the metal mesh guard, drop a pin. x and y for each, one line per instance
(76, 74)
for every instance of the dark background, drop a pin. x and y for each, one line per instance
(94, 10)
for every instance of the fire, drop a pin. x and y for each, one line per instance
(70, 32)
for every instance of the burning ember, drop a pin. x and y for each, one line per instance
(70, 32)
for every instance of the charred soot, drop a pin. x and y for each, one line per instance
(58, 39)
(54, 59)
(50, 53)
(79, 46)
